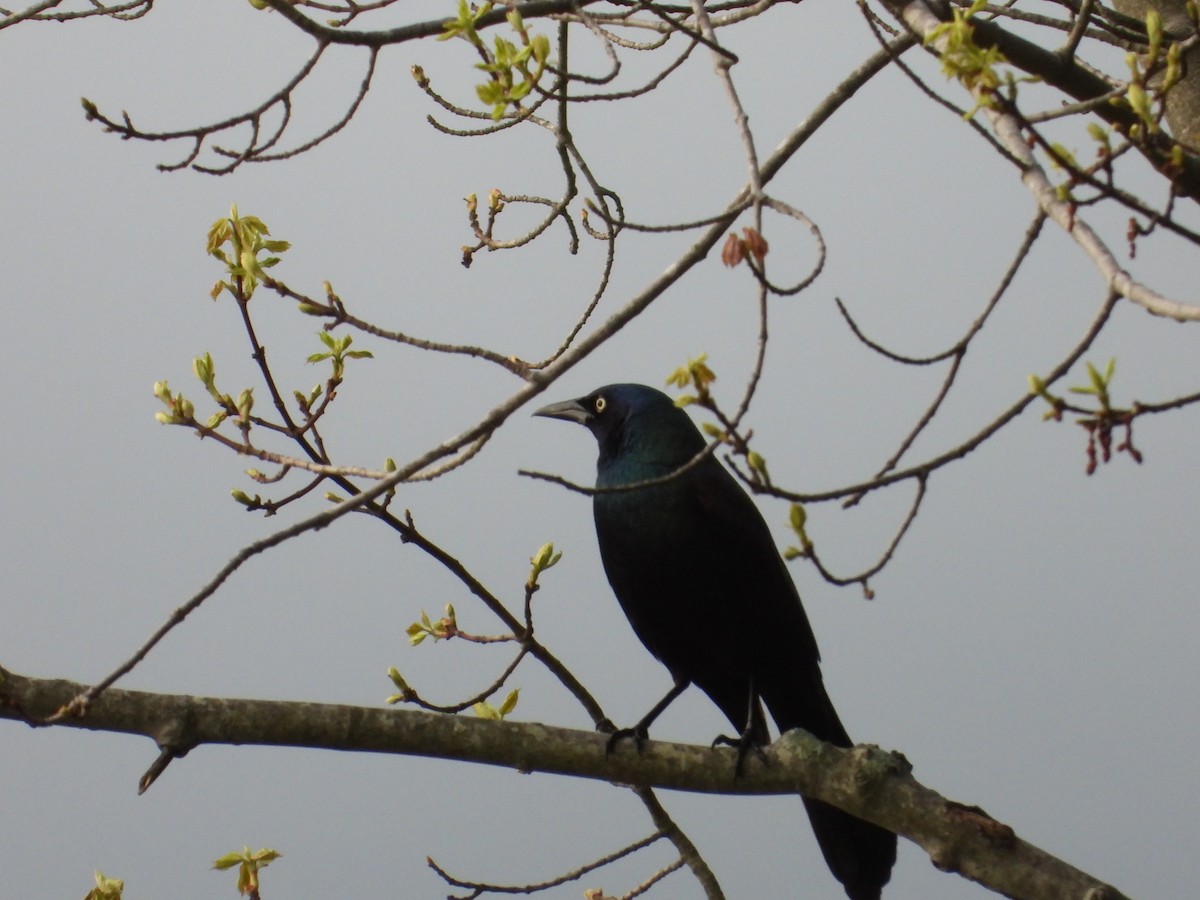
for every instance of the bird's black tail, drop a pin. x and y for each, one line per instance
(859, 854)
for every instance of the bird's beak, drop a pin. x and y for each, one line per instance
(571, 410)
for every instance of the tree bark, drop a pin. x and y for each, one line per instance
(868, 782)
(1183, 99)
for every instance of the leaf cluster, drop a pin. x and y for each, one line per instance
(514, 69)
(338, 350)
(973, 65)
(1099, 422)
(247, 238)
(249, 863)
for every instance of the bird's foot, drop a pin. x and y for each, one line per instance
(744, 743)
(638, 733)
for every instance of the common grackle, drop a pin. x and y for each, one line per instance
(695, 569)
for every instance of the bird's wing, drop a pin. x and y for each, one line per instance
(745, 562)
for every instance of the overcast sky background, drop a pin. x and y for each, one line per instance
(1032, 648)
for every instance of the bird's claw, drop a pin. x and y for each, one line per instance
(637, 732)
(743, 743)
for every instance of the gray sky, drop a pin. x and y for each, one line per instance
(1032, 648)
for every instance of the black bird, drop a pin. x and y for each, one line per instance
(696, 571)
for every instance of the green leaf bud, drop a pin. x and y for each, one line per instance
(510, 702)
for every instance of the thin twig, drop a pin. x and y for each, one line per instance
(479, 888)
(972, 443)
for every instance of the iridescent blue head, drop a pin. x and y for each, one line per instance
(640, 430)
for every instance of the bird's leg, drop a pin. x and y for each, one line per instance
(641, 731)
(747, 740)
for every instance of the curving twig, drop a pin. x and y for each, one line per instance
(253, 150)
(956, 353)
(479, 888)
(964, 448)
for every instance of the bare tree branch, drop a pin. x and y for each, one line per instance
(864, 780)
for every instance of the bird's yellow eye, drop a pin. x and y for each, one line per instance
(599, 403)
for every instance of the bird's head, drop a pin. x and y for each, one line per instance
(632, 420)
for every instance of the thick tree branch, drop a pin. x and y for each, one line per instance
(1067, 75)
(1183, 100)
(864, 780)
(922, 19)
